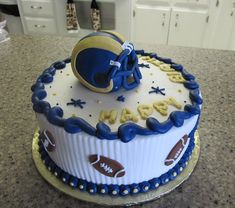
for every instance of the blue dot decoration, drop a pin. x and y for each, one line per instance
(82, 185)
(135, 188)
(114, 190)
(73, 182)
(103, 189)
(124, 190)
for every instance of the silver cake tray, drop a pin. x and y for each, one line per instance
(109, 200)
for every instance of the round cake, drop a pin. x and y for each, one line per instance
(115, 120)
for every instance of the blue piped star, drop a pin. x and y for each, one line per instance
(144, 65)
(157, 90)
(76, 103)
(121, 98)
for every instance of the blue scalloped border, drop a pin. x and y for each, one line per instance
(113, 189)
(126, 132)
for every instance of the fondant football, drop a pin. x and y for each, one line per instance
(47, 140)
(107, 166)
(176, 150)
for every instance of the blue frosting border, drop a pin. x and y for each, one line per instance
(118, 190)
(126, 132)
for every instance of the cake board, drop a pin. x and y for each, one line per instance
(112, 200)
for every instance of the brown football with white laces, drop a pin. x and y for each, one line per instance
(48, 140)
(107, 166)
(176, 150)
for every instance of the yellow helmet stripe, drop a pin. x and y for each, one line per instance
(100, 42)
(115, 34)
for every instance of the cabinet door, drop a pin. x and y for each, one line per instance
(187, 27)
(151, 24)
(222, 31)
(232, 41)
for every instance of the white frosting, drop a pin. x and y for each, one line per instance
(60, 91)
(143, 158)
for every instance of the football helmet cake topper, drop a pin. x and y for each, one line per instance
(104, 62)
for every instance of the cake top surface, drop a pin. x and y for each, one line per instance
(166, 96)
(156, 96)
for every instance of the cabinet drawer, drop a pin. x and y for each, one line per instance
(39, 8)
(40, 25)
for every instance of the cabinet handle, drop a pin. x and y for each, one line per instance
(233, 9)
(35, 7)
(177, 18)
(217, 3)
(231, 14)
(40, 26)
(163, 19)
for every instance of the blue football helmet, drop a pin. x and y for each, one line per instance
(104, 62)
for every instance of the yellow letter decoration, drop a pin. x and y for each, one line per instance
(146, 58)
(128, 115)
(145, 111)
(173, 102)
(110, 115)
(156, 62)
(176, 77)
(151, 60)
(166, 68)
(161, 107)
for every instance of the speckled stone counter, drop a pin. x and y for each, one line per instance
(23, 58)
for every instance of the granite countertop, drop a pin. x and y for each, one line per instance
(23, 58)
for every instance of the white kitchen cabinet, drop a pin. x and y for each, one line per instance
(187, 27)
(151, 23)
(193, 23)
(222, 29)
(38, 16)
(173, 22)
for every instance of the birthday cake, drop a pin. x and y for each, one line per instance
(115, 120)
